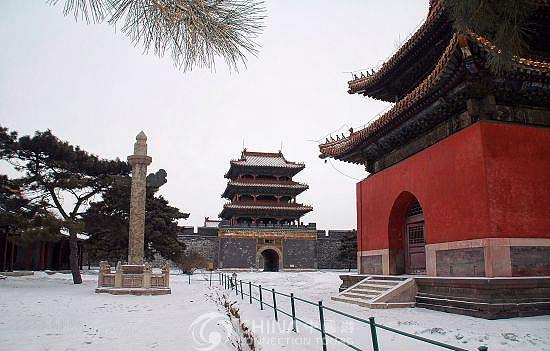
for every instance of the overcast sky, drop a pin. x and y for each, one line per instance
(90, 86)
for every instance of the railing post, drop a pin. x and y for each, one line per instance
(293, 312)
(373, 334)
(236, 288)
(250, 292)
(189, 275)
(274, 305)
(210, 278)
(242, 294)
(261, 300)
(322, 320)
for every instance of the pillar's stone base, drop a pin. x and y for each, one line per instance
(134, 291)
(133, 280)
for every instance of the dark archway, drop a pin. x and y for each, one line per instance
(270, 260)
(406, 236)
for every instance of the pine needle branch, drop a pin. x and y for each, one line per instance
(193, 32)
(504, 22)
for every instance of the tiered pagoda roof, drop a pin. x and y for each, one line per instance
(260, 186)
(431, 77)
(291, 211)
(266, 162)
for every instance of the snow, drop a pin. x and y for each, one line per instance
(48, 312)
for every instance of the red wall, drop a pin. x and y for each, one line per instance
(488, 180)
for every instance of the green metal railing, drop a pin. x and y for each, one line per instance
(204, 277)
(232, 284)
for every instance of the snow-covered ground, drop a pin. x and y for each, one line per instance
(44, 312)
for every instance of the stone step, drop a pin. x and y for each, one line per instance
(359, 296)
(383, 282)
(367, 304)
(359, 302)
(375, 286)
(367, 291)
(388, 278)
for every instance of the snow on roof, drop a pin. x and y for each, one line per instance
(265, 159)
(268, 185)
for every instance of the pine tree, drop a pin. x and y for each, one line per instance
(23, 220)
(61, 177)
(107, 223)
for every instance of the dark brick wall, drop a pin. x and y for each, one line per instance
(460, 262)
(207, 231)
(530, 260)
(307, 254)
(205, 246)
(237, 253)
(328, 249)
(371, 264)
(299, 254)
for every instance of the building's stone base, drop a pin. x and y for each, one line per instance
(488, 298)
(135, 291)
(133, 280)
(489, 257)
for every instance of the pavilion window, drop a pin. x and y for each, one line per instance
(285, 199)
(266, 198)
(246, 197)
(266, 177)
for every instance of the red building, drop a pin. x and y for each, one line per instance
(36, 256)
(459, 167)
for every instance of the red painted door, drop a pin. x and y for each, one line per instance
(415, 248)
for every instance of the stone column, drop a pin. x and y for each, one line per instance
(139, 162)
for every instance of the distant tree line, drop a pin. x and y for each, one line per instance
(61, 187)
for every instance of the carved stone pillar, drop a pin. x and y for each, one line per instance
(118, 275)
(147, 273)
(139, 162)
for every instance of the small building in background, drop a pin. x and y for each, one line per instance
(52, 255)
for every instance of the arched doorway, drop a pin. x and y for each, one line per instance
(406, 234)
(270, 260)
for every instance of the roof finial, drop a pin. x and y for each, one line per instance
(141, 136)
(140, 146)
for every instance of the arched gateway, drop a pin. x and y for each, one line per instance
(407, 239)
(270, 260)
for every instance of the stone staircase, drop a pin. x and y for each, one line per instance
(380, 292)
